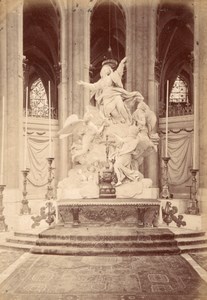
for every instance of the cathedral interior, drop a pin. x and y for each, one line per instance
(132, 248)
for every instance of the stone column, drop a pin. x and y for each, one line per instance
(77, 67)
(63, 96)
(11, 87)
(86, 77)
(14, 93)
(201, 44)
(151, 162)
(77, 35)
(136, 44)
(3, 77)
(130, 37)
(69, 37)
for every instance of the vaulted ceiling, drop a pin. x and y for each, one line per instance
(41, 36)
(108, 32)
(175, 43)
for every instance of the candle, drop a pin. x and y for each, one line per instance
(166, 129)
(25, 133)
(195, 135)
(2, 141)
(49, 116)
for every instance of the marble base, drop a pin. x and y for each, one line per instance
(138, 190)
(98, 212)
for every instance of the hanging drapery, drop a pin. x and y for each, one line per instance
(37, 154)
(180, 153)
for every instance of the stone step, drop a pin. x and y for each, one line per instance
(188, 234)
(106, 243)
(22, 240)
(15, 246)
(86, 241)
(104, 238)
(26, 234)
(191, 236)
(191, 240)
(96, 251)
(96, 234)
(193, 248)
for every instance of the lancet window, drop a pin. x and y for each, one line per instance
(38, 100)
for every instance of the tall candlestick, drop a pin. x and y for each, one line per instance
(194, 140)
(195, 125)
(167, 101)
(2, 141)
(196, 82)
(25, 133)
(49, 115)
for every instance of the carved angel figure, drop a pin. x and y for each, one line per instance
(145, 119)
(85, 129)
(123, 157)
(110, 94)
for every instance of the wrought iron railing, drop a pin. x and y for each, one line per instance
(176, 109)
(42, 112)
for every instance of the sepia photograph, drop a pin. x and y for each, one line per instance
(103, 149)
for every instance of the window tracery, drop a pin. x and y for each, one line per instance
(38, 100)
(179, 92)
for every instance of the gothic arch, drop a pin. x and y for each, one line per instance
(41, 43)
(174, 45)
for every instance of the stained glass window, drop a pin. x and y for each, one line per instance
(38, 100)
(179, 93)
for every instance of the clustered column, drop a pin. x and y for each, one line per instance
(151, 162)
(74, 66)
(141, 64)
(201, 44)
(12, 88)
(63, 95)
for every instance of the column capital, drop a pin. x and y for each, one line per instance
(158, 67)
(58, 69)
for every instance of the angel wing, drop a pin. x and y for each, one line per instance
(72, 125)
(97, 117)
(120, 69)
(151, 120)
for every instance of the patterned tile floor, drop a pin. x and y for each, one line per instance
(7, 258)
(49, 277)
(201, 259)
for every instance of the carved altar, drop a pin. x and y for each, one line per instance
(111, 212)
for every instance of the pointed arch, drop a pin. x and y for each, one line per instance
(174, 46)
(41, 43)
